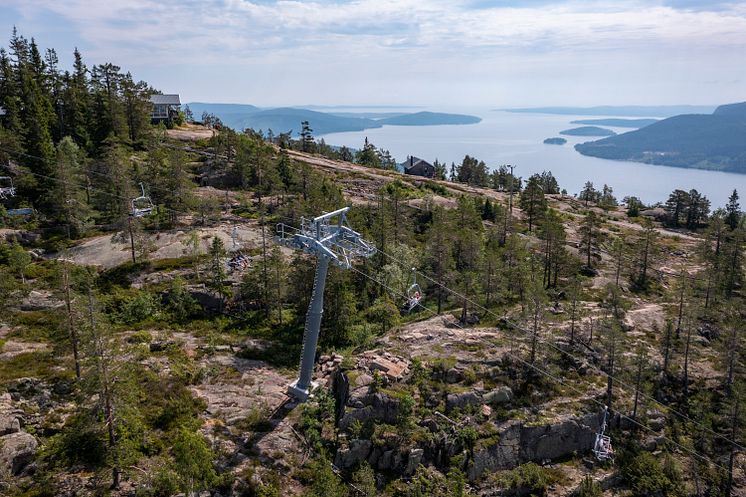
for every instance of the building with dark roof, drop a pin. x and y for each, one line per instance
(418, 167)
(165, 107)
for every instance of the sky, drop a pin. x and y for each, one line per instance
(436, 53)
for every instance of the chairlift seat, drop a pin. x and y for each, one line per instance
(414, 296)
(7, 189)
(602, 448)
(141, 207)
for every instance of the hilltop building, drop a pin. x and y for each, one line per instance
(165, 107)
(418, 167)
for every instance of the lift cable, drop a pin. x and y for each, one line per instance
(554, 378)
(518, 327)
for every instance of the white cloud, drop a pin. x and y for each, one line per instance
(388, 46)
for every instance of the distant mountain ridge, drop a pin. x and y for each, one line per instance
(703, 141)
(621, 110)
(284, 119)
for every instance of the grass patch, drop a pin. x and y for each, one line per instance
(40, 364)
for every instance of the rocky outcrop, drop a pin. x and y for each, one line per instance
(9, 424)
(355, 453)
(17, 451)
(375, 407)
(389, 457)
(40, 301)
(22, 237)
(519, 444)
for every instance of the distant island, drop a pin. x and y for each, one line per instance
(588, 131)
(702, 141)
(620, 110)
(619, 123)
(429, 119)
(555, 141)
(284, 119)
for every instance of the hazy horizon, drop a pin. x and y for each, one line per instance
(430, 53)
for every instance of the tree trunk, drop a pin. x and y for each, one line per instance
(610, 373)
(686, 363)
(732, 458)
(638, 382)
(70, 319)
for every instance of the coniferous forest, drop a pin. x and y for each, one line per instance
(148, 353)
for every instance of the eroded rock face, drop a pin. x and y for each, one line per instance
(520, 444)
(17, 451)
(389, 458)
(376, 407)
(354, 454)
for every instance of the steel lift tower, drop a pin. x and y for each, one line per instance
(330, 238)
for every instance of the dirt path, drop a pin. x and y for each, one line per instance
(111, 250)
(190, 132)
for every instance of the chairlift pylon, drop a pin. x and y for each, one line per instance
(602, 448)
(142, 206)
(414, 294)
(7, 189)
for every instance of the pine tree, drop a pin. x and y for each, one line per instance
(136, 107)
(589, 193)
(108, 117)
(646, 248)
(697, 209)
(439, 246)
(532, 201)
(552, 233)
(535, 305)
(217, 278)
(676, 206)
(590, 237)
(733, 211)
(306, 137)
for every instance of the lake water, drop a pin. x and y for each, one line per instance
(514, 138)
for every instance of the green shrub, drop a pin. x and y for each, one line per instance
(135, 309)
(79, 443)
(589, 488)
(181, 304)
(645, 476)
(532, 477)
(141, 336)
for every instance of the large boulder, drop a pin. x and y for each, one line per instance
(501, 395)
(17, 451)
(462, 400)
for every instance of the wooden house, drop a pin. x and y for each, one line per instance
(165, 107)
(418, 167)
